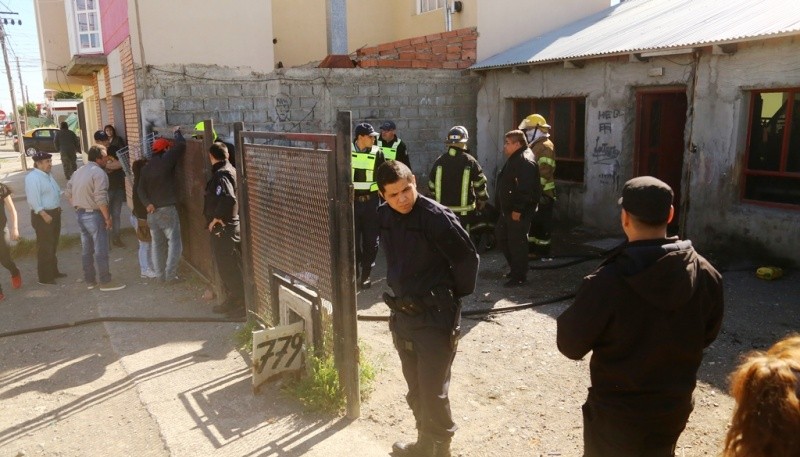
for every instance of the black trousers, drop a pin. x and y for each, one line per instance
(6, 260)
(540, 234)
(606, 434)
(47, 236)
(512, 238)
(367, 230)
(226, 248)
(423, 344)
(70, 163)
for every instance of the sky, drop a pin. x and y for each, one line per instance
(22, 41)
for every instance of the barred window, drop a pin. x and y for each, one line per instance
(772, 161)
(567, 116)
(430, 5)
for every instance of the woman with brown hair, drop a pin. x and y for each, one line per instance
(766, 387)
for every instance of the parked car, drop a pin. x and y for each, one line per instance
(39, 139)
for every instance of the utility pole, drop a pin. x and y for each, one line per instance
(13, 96)
(24, 99)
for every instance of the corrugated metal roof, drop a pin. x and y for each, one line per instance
(650, 25)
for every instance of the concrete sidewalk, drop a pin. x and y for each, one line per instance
(152, 388)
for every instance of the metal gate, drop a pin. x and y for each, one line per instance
(297, 231)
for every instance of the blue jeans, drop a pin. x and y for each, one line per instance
(165, 228)
(94, 240)
(116, 197)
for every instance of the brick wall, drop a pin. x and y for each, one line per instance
(129, 100)
(448, 50)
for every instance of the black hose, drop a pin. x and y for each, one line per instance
(484, 311)
(119, 319)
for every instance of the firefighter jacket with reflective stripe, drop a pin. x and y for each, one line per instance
(546, 158)
(457, 181)
(364, 165)
(396, 150)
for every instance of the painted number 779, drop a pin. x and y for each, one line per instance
(289, 343)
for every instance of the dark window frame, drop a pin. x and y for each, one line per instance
(781, 173)
(570, 152)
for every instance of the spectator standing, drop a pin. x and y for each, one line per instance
(158, 193)
(139, 223)
(9, 214)
(518, 192)
(647, 314)
(44, 198)
(68, 145)
(87, 191)
(221, 210)
(393, 147)
(116, 182)
(431, 265)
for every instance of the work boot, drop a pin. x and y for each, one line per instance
(364, 281)
(425, 446)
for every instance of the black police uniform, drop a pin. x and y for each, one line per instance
(220, 203)
(431, 264)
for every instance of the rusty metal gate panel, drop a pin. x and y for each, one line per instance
(289, 216)
(192, 174)
(297, 223)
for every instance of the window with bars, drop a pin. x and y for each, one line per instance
(567, 117)
(87, 23)
(430, 5)
(772, 162)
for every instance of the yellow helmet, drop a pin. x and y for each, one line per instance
(534, 121)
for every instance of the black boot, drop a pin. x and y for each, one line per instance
(424, 447)
(364, 280)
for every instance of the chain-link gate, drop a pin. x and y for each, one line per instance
(296, 196)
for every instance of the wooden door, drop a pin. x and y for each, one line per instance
(661, 121)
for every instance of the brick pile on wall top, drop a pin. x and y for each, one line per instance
(454, 50)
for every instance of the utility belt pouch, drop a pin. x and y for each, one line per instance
(406, 306)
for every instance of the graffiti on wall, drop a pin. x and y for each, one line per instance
(283, 107)
(606, 151)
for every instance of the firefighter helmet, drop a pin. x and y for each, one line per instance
(457, 135)
(534, 121)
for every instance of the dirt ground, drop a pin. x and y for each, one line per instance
(183, 389)
(513, 393)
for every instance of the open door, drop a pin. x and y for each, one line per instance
(660, 125)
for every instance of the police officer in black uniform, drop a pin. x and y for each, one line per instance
(432, 264)
(222, 216)
(366, 158)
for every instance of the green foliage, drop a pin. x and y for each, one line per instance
(243, 336)
(320, 390)
(29, 108)
(64, 95)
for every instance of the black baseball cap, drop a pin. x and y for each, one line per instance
(365, 129)
(41, 155)
(100, 136)
(647, 198)
(389, 125)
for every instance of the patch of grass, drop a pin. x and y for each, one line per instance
(243, 336)
(25, 247)
(320, 390)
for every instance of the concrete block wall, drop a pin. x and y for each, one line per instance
(456, 49)
(424, 104)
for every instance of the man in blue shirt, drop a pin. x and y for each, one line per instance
(44, 198)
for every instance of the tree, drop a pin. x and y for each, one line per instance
(64, 95)
(29, 109)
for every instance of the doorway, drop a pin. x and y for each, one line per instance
(660, 126)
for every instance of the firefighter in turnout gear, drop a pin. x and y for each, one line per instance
(393, 147)
(537, 132)
(366, 158)
(457, 182)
